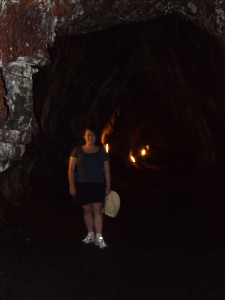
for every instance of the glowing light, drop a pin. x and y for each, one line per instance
(132, 158)
(143, 152)
(107, 148)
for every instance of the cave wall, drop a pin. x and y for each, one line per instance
(28, 28)
(166, 79)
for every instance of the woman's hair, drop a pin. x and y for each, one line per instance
(91, 129)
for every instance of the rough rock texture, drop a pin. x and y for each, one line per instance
(28, 28)
(161, 81)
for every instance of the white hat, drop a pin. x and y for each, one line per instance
(112, 204)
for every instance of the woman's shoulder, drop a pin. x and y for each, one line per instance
(75, 151)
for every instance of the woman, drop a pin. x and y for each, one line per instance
(89, 180)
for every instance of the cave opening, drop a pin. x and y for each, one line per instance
(155, 84)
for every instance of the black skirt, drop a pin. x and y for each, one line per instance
(89, 192)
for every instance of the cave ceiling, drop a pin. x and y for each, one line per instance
(139, 44)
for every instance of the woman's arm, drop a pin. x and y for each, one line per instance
(71, 171)
(107, 177)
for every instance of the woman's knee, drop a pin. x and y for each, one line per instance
(97, 208)
(87, 209)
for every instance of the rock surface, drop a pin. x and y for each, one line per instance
(29, 28)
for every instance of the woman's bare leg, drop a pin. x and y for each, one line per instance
(98, 217)
(88, 217)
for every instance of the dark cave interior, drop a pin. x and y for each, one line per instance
(157, 83)
(155, 92)
(156, 86)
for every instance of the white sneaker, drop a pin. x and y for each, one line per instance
(100, 243)
(89, 239)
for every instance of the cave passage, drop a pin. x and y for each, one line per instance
(153, 85)
(155, 90)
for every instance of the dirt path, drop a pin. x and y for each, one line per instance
(42, 258)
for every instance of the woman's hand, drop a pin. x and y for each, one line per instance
(72, 191)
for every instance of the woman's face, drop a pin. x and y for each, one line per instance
(90, 137)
